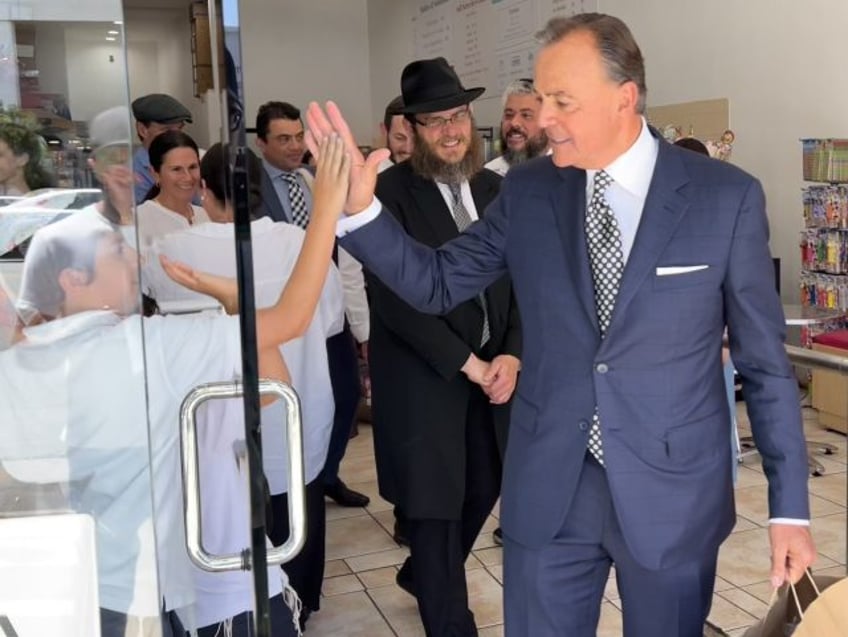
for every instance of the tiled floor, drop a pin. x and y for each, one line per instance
(361, 597)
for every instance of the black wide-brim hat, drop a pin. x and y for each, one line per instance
(429, 86)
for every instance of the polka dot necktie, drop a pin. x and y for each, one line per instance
(463, 219)
(603, 238)
(300, 212)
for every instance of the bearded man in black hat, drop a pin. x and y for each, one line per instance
(441, 384)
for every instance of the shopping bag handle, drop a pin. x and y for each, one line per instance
(795, 593)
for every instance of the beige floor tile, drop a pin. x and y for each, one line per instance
(336, 512)
(351, 615)
(751, 503)
(610, 623)
(485, 595)
(611, 590)
(831, 487)
(378, 577)
(385, 518)
(491, 556)
(473, 563)
(358, 469)
(829, 535)
(748, 602)
(381, 559)
(400, 610)
(744, 524)
(334, 568)
(744, 557)
(749, 475)
(340, 585)
(727, 615)
(721, 585)
(834, 571)
(761, 590)
(350, 537)
(491, 631)
(497, 572)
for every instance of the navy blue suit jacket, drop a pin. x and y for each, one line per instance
(657, 375)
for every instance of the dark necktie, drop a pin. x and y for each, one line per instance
(603, 239)
(300, 212)
(462, 218)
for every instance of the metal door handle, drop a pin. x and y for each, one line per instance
(191, 477)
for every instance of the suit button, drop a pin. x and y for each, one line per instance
(601, 368)
(583, 425)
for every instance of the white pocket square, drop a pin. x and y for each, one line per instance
(679, 269)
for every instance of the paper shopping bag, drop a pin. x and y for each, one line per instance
(827, 615)
(787, 608)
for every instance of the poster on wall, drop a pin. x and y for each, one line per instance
(432, 31)
(488, 42)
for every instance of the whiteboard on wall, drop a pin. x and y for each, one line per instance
(488, 42)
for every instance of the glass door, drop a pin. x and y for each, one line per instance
(132, 497)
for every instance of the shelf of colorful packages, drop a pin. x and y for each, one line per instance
(824, 240)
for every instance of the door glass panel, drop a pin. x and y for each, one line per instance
(78, 534)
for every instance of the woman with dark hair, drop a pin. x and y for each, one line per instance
(22, 154)
(168, 207)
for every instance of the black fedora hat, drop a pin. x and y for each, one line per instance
(429, 86)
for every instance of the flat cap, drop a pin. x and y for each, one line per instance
(161, 108)
(110, 127)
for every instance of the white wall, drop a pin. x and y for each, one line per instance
(391, 49)
(303, 50)
(782, 65)
(96, 77)
(159, 61)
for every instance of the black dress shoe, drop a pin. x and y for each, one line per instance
(399, 534)
(497, 536)
(345, 497)
(404, 578)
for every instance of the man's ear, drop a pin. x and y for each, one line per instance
(72, 278)
(628, 96)
(22, 160)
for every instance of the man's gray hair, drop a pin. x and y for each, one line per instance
(615, 42)
(522, 86)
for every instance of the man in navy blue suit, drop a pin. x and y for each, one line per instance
(628, 257)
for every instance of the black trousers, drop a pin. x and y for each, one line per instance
(344, 376)
(306, 570)
(439, 548)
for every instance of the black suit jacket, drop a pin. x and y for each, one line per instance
(420, 396)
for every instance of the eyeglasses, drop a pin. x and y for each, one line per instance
(434, 123)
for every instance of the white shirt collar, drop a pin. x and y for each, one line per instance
(633, 169)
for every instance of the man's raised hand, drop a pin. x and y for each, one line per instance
(363, 171)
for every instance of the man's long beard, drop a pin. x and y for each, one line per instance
(428, 165)
(534, 147)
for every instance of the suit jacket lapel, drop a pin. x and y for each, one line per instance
(270, 199)
(482, 192)
(569, 208)
(664, 208)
